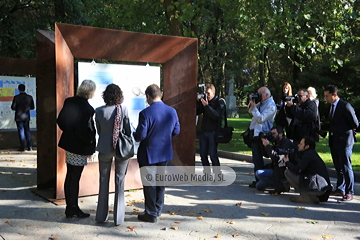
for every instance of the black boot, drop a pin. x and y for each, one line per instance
(75, 211)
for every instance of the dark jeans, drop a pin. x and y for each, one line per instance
(342, 163)
(71, 185)
(266, 179)
(208, 145)
(154, 195)
(24, 134)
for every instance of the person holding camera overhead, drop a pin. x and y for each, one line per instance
(263, 109)
(212, 109)
(304, 117)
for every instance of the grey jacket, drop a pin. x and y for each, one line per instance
(104, 118)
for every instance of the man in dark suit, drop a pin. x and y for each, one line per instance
(22, 104)
(158, 123)
(343, 123)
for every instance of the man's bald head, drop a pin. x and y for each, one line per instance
(265, 93)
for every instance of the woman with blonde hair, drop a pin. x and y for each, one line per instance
(313, 95)
(78, 140)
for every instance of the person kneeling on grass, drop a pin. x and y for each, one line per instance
(309, 176)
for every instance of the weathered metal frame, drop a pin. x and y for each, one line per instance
(55, 72)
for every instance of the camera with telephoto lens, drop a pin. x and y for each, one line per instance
(255, 96)
(201, 91)
(266, 135)
(285, 151)
(294, 99)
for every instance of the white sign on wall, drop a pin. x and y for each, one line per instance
(132, 79)
(8, 89)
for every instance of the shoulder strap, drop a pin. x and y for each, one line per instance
(225, 118)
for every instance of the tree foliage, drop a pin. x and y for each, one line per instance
(258, 42)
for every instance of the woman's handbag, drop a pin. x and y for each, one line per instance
(125, 144)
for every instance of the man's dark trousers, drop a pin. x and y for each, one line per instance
(154, 195)
(24, 134)
(342, 162)
(208, 145)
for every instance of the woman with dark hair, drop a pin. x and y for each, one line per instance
(109, 121)
(78, 140)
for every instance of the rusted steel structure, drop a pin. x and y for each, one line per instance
(55, 77)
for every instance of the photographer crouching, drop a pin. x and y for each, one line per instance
(272, 176)
(309, 176)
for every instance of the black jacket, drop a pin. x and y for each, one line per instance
(212, 114)
(310, 163)
(304, 120)
(272, 151)
(22, 104)
(341, 131)
(76, 121)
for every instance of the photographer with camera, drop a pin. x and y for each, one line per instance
(272, 176)
(212, 109)
(304, 117)
(263, 109)
(309, 176)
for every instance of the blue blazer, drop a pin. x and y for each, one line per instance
(158, 123)
(342, 124)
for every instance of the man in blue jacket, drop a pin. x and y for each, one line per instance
(158, 123)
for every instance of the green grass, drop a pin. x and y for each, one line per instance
(237, 144)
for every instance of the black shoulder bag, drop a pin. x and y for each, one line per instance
(224, 134)
(125, 145)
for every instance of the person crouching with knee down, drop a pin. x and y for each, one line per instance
(309, 176)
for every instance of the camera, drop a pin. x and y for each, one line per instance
(285, 151)
(266, 135)
(201, 91)
(255, 96)
(294, 99)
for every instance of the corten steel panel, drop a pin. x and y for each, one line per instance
(179, 56)
(17, 66)
(46, 109)
(99, 43)
(181, 69)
